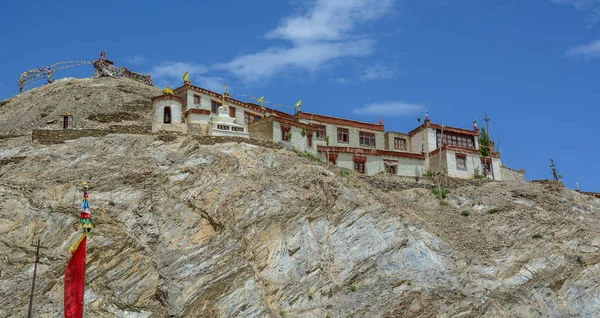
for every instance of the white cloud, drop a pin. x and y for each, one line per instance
(591, 7)
(389, 109)
(330, 20)
(322, 34)
(587, 51)
(135, 60)
(379, 71)
(309, 56)
(344, 80)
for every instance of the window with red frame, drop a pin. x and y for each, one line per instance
(321, 132)
(359, 164)
(367, 139)
(196, 99)
(309, 139)
(343, 135)
(285, 133)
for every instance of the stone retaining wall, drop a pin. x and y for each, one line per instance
(48, 137)
(211, 140)
(509, 174)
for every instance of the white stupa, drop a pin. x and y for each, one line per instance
(223, 125)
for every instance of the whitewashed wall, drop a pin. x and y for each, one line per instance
(415, 142)
(353, 135)
(298, 142)
(473, 161)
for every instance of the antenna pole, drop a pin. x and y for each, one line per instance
(37, 258)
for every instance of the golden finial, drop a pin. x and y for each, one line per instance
(168, 91)
(186, 78)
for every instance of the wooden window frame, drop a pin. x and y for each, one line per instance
(343, 132)
(332, 158)
(309, 136)
(366, 139)
(461, 157)
(360, 164)
(231, 111)
(397, 143)
(455, 139)
(197, 99)
(321, 131)
(284, 130)
(213, 109)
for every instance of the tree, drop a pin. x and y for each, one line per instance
(484, 142)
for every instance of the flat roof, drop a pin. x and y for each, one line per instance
(339, 121)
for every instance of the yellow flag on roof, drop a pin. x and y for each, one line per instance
(260, 100)
(298, 104)
(186, 77)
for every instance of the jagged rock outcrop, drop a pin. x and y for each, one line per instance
(239, 230)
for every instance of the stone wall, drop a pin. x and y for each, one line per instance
(49, 137)
(262, 129)
(509, 174)
(211, 140)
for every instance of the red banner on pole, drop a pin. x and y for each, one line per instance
(74, 280)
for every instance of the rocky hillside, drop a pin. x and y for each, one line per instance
(238, 230)
(93, 103)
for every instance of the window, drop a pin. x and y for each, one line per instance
(309, 139)
(332, 158)
(487, 166)
(167, 115)
(390, 169)
(399, 143)
(250, 118)
(461, 162)
(214, 107)
(232, 112)
(359, 163)
(454, 139)
(196, 99)
(367, 139)
(343, 135)
(321, 132)
(360, 167)
(285, 133)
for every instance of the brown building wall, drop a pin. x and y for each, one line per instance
(262, 129)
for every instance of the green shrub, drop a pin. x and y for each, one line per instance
(353, 287)
(111, 203)
(465, 213)
(344, 173)
(409, 283)
(440, 192)
(493, 211)
(537, 236)
(428, 174)
(310, 294)
(282, 313)
(303, 132)
(327, 140)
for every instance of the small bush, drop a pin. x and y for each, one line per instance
(428, 174)
(310, 294)
(327, 140)
(282, 313)
(465, 213)
(443, 202)
(344, 173)
(303, 132)
(537, 236)
(111, 203)
(408, 283)
(493, 211)
(440, 192)
(353, 287)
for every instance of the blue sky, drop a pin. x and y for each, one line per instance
(532, 65)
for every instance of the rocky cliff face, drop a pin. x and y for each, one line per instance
(238, 230)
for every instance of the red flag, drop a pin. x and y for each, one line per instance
(74, 276)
